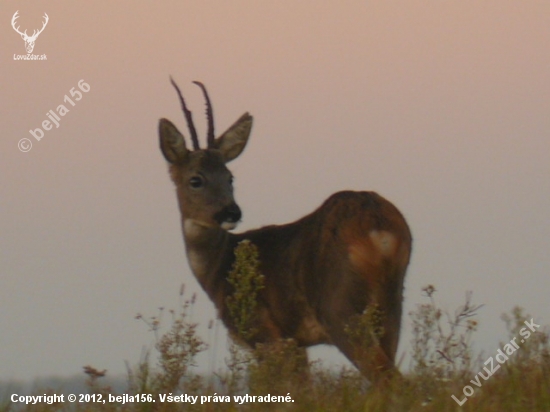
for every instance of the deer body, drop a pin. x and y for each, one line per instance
(319, 271)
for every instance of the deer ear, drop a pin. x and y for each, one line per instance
(172, 143)
(233, 141)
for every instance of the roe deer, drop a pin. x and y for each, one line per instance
(320, 272)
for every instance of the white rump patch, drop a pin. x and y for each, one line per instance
(385, 241)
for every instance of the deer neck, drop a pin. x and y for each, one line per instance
(207, 249)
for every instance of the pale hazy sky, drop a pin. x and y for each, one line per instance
(441, 106)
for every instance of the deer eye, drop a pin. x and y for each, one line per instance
(196, 182)
(231, 180)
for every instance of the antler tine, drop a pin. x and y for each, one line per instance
(44, 24)
(209, 115)
(188, 117)
(13, 22)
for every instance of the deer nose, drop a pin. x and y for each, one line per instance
(229, 215)
(232, 213)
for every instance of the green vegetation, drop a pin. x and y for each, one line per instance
(443, 365)
(247, 281)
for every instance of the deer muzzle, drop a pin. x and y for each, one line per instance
(229, 216)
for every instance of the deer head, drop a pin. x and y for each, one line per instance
(203, 182)
(29, 40)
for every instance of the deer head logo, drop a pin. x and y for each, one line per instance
(29, 40)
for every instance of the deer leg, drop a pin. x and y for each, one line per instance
(371, 360)
(368, 340)
(283, 360)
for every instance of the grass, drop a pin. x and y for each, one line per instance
(443, 366)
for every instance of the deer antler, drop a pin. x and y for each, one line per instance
(188, 117)
(15, 17)
(209, 115)
(35, 33)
